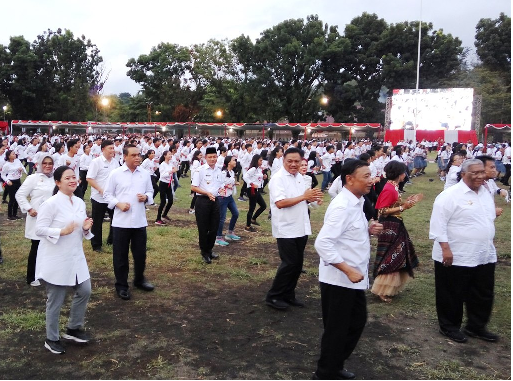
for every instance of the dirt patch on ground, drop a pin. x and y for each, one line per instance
(210, 331)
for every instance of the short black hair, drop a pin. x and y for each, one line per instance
(394, 169)
(126, 147)
(485, 158)
(294, 150)
(106, 143)
(350, 167)
(71, 143)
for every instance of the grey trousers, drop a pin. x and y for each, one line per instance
(56, 295)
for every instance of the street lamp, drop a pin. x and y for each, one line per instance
(219, 114)
(5, 109)
(324, 100)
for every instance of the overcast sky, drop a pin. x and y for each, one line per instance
(127, 29)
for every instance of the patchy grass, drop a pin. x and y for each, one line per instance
(210, 322)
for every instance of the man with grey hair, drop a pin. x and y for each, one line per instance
(462, 227)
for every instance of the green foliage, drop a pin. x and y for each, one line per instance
(52, 78)
(493, 42)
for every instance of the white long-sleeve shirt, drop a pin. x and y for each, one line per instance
(12, 171)
(344, 237)
(123, 185)
(255, 176)
(452, 177)
(85, 161)
(166, 172)
(464, 219)
(60, 259)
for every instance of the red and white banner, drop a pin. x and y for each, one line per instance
(394, 136)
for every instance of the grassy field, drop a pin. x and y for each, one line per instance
(206, 322)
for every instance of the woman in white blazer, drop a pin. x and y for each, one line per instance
(36, 189)
(61, 225)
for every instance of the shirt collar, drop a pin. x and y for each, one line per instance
(125, 168)
(353, 200)
(466, 188)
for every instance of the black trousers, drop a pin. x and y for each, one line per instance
(254, 199)
(12, 208)
(98, 211)
(344, 314)
(292, 252)
(83, 180)
(507, 175)
(123, 240)
(31, 263)
(243, 189)
(184, 167)
(155, 186)
(207, 219)
(456, 285)
(315, 182)
(166, 195)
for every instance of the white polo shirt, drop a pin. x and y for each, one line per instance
(99, 170)
(291, 222)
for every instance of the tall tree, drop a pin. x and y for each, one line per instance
(163, 75)
(50, 78)
(493, 42)
(289, 67)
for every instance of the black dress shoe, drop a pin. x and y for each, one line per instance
(482, 334)
(276, 303)
(145, 286)
(456, 336)
(342, 375)
(294, 302)
(346, 375)
(98, 249)
(214, 256)
(206, 258)
(123, 294)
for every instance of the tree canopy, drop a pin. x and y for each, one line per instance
(52, 77)
(282, 75)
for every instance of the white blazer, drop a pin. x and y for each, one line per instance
(60, 259)
(39, 188)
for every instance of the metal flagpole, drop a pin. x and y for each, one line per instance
(418, 73)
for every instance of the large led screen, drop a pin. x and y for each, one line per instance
(435, 109)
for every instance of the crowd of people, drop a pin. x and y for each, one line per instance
(365, 180)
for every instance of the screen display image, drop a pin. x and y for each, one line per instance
(432, 109)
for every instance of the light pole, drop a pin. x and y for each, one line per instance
(219, 114)
(104, 102)
(5, 109)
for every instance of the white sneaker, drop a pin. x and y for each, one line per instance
(35, 283)
(191, 211)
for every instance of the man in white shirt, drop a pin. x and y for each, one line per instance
(97, 175)
(184, 159)
(327, 160)
(128, 190)
(70, 159)
(208, 183)
(291, 227)
(489, 183)
(343, 245)
(462, 227)
(96, 149)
